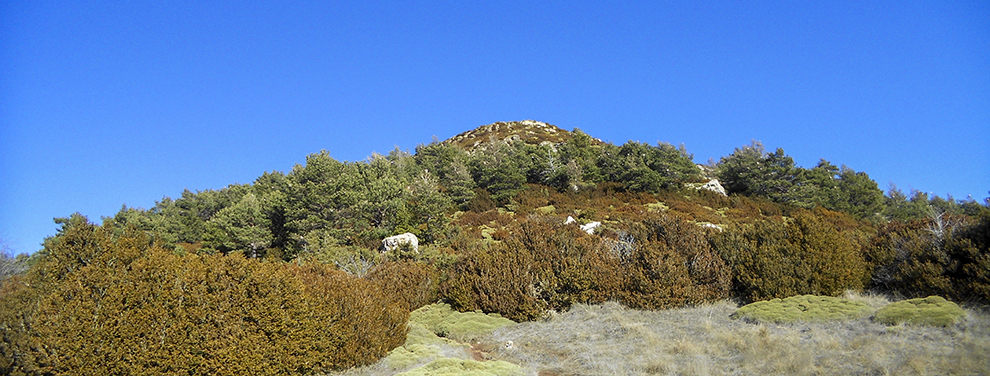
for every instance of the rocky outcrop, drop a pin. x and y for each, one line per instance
(398, 241)
(712, 185)
(528, 131)
(590, 227)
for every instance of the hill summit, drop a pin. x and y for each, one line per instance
(528, 131)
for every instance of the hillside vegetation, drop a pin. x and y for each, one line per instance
(286, 275)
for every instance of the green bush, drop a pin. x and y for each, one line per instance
(777, 258)
(108, 303)
(948, 256)
(423, 345)
(807, 308)
(933, 310)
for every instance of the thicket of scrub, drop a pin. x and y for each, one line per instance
(289, 267)
(546, 265)
(109, 302)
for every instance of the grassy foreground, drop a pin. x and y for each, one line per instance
(610, 339)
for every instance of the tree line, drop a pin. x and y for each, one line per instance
(327, 203)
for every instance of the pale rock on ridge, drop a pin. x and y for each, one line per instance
(397, 241)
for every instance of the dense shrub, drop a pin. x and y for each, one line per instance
(494, 278)
(775, 259)
(671, 263)
(906, 262)
(948, 256)
(415, 284)
(544, 265)
(100, 303)
(969, 247)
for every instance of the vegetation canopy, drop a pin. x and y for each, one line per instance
(516, 221)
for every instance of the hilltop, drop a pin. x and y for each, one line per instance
(528, 131)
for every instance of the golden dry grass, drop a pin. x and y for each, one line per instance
(703, 340)
(610, 339)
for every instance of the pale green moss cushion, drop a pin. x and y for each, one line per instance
(808, 308)
(933, 310)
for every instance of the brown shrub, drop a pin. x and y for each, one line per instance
(544, 265)
(481, 202)
(752, 208)
(533, 196)
(493, 279)
(674, 264)
(414, 283)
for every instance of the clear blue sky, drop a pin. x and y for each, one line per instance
(106, 103)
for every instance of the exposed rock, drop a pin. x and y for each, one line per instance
(590, 227)
(509, 345)
(711, 226)
(395, 242)
(712, 185)
(528, 131)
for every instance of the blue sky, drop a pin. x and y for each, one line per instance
(106, 103)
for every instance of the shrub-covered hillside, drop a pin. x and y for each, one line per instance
(286, 274)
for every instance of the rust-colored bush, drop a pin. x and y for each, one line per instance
(752, 208)
(673, 264)
(493, 279)
(413, 283)
(481, 202)
(544, 265)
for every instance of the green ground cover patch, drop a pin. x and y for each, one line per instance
(807, 308)
(933, 310)
(421, 346)
(436, 344)
(464, 367)
(446, 322)
(657, 207)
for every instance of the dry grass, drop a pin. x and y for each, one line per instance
(610, 339)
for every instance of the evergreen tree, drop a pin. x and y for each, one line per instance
(495, 167)
(449, 164)
(242, 227)
(322, 195)
(753, 171)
